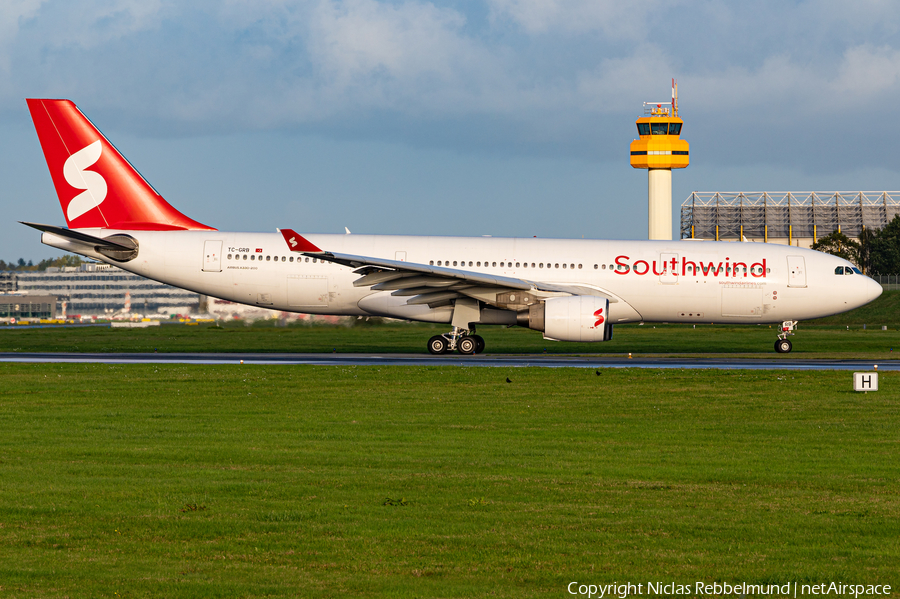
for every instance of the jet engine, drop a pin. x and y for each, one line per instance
(575, 318)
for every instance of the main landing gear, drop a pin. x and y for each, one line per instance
(465, 341)
(783, 344)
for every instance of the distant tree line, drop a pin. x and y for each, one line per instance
(876, 253)
(23, 266)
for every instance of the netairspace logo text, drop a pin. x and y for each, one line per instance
(718, 589)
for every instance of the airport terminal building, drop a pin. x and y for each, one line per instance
(791, 218)
(95, 289)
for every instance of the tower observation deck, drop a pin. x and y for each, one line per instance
(797, 218)
(659, 148)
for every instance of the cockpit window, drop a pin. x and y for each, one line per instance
(839, 270)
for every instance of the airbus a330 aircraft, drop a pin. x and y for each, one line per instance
(571, 290)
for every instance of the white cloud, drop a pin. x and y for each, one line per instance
(565, 69)
(92, 23)
(613, 18)
(12, 12)
(355, 38)
(867, 75)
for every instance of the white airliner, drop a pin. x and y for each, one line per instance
(571, 290)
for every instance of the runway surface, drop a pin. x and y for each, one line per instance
(503, 361)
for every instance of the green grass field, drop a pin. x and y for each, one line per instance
(813, 341)
(841, 336)
(280, 481)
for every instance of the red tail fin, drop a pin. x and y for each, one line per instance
(97, 186)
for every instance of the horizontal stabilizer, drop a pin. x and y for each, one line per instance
(79, 236)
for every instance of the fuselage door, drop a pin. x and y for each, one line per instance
(796, 271)
(212, 256)
(668, 267)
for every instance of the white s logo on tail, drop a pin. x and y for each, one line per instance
(93, 183)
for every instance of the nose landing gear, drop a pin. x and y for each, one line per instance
(465, 341)
(783, 344)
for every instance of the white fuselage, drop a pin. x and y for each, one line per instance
(660, 281)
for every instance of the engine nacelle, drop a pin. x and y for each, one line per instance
(576, 318)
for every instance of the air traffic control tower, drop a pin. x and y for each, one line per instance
(659, 149)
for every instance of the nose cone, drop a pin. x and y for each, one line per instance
(873, 290)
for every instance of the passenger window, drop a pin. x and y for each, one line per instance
(229, 256)
(579, 266)
(517, 265)
(541, 265)
(478, 264)
(501, 264)
(470, 263)
(532, 265)
(454, 263)
(252, 257)
(564, 265)
(268, 258)
(493, 264)
(439, 262)
(245, 256)
(291, 259)
(283, 258)
(556, 266)
(431, 263)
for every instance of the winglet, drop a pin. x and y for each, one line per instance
(298, 243)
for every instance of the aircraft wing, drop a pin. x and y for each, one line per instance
(437, 285)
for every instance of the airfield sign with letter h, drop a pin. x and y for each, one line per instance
(865, 381)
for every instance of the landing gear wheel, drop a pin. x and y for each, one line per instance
(467, 345)
(783, 346)
(479, 343)
(438, 345)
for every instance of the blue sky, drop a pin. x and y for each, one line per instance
(502, 117)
